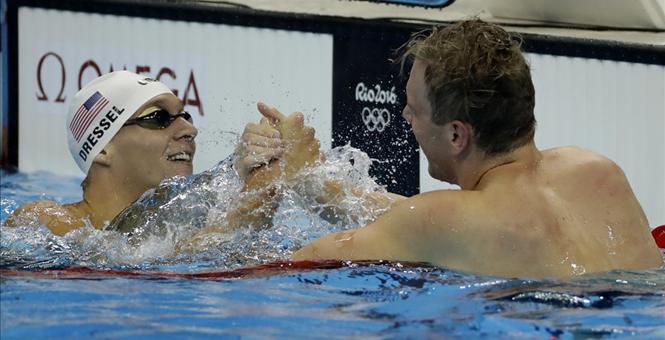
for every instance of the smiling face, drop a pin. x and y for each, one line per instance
(430, 136)
(141, 157)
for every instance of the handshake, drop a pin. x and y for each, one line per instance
(277, 146)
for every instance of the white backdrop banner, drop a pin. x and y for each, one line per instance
(218, 71)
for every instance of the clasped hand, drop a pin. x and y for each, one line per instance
(276, 137)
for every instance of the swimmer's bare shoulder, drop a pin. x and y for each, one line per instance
(60, 219)
(582, 173)
(581, 161)
(599, 190)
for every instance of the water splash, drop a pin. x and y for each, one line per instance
(575, 268)
(155, 230)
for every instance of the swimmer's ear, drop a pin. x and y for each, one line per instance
(102, 158)
(459, 135)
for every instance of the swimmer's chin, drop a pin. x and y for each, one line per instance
(181, 168)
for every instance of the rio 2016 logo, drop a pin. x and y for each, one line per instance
(375, 119)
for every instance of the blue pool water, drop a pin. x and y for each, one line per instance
(58, 287)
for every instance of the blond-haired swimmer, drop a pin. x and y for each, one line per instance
(521, 211)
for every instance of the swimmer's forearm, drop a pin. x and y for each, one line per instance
(256, 203)
(263, 176)
(333, 190)
(254, 208)
(376, 203)
(379, 202)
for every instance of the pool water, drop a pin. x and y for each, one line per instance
(104, 284)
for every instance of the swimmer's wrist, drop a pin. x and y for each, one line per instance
(263, 176)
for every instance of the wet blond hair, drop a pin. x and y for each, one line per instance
(476, 73)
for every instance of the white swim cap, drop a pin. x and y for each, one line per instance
(101, 107)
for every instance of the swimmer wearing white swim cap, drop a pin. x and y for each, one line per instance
(127, 133)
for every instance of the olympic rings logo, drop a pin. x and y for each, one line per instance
(375, 119)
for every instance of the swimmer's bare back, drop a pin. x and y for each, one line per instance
(569, 212)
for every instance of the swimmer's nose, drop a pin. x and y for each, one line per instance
(185, 129)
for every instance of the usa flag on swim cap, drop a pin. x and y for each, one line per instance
(86, 114)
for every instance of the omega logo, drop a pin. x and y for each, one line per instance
(43, 96)
(190, 96)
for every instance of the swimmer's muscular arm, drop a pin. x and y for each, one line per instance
(405, 233)
(335, 192)
(58, 218)
(258, 207)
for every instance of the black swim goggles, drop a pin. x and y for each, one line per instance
(160, 119)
